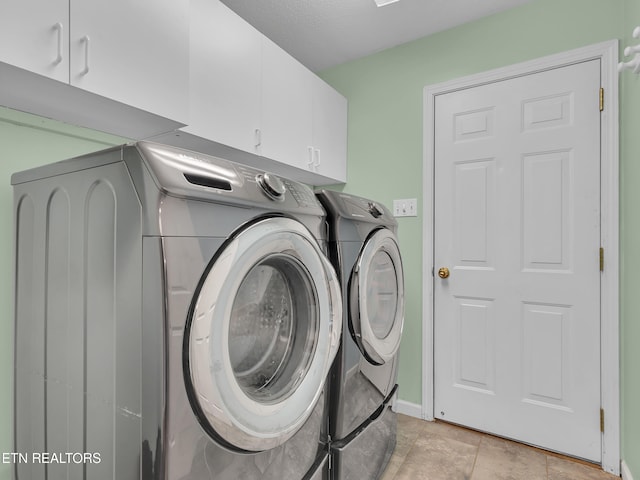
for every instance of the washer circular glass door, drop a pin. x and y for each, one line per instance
(262, 332)
(377, 298)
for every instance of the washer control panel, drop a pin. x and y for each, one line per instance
(303, 194)
(195, 175)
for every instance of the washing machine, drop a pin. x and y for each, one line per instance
(175, 318)
(364, 249)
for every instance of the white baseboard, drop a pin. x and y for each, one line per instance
(407, 408)
(626, 473)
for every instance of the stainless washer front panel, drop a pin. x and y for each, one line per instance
(263, 330)
(108, 258)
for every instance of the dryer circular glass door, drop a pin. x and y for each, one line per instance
(263, 329)
(376, 298)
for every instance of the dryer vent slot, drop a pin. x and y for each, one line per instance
(210, 182)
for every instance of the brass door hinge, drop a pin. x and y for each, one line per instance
(601, 259)
(601, 96)
(602, 420)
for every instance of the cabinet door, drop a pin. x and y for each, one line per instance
(225, 79)
(135, 52)
(329, 131)
(34, 36)
(286, 107)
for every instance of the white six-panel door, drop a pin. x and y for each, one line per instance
(517, 223)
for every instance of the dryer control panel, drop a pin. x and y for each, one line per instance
(354, 217)
(357, 208)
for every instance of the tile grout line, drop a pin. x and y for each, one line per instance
(404, 459)
(475, 459)
(546, 464)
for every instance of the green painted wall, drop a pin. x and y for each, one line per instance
(385, 146)
(26, 141)
(630, 253)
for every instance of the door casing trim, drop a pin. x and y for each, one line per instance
(607, 53)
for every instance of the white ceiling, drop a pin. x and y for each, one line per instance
(326, 33)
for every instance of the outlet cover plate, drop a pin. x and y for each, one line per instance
(405, 207)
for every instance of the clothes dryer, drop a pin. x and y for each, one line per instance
(176, 318)
(364, 249)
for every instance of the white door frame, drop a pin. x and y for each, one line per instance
(607, 53)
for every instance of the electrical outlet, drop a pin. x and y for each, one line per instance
(406, 207)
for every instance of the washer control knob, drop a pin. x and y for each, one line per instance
(374, 210)
(272, 186)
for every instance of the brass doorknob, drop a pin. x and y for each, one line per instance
(443, 272)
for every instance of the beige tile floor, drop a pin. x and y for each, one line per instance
(441, 451)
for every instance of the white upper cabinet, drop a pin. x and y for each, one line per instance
(225, 84)
(287, 105)
(34, 35)
(145, 68)
(329, 131)
(136, 53)
(249, 94)
(304, 120)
